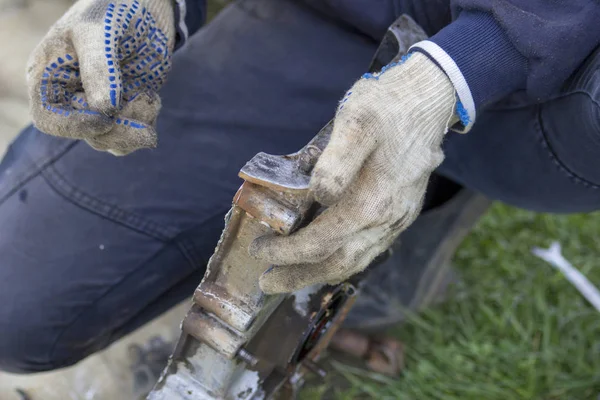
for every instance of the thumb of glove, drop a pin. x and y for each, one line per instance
(134, 129)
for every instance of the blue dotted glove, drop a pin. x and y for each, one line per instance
(97, 73)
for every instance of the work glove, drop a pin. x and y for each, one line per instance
(385, 143)
(96, 74)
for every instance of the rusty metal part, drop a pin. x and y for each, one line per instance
(315, 368)
(247, 357)
(386, 356)
(350, 342)
(382, 355)
(236, 342)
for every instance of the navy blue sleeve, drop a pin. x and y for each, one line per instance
(497, 47)
(189, 17)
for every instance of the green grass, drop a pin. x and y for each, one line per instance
(514, 328)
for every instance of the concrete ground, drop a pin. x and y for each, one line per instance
(22, 24)
(107, 375)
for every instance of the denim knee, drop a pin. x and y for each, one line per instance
(26, 338)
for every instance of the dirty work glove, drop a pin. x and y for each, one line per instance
(96, 74)
(373, 174)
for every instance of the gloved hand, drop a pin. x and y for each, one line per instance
(373, 174)
(96, 74)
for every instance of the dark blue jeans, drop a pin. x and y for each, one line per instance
(93, 246)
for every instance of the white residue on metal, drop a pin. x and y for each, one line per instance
(181, 385)
(247, 384)
(553, 255)
(302, 298)
(232, 308)
(265, 224)
(214, 296)
(101, 247)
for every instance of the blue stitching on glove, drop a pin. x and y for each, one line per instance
(462, 113)
(376, 75)
(345, 99)
(271, 268)
(109, 31)
(52, 82)
(139, 74)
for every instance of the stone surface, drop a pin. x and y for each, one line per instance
(22, 25)
(106, 375)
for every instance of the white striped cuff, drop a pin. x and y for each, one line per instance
(466, 112)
